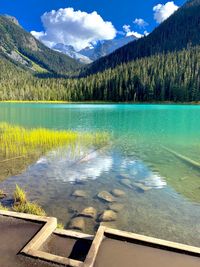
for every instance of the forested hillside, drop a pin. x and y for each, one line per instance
(179, 31)
(21, 47)
(166, 77)
(165, 66)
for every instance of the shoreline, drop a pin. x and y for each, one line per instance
(97, 102)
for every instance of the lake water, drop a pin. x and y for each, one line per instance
(146, 143)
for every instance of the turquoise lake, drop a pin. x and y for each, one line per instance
(149, 146)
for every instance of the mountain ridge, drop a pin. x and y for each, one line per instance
(70, 51)
(176, 33)
(18, 45)
(104, 48)
(163, 76)
(94, 51)
(166, 77)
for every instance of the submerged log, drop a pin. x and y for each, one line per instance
(187, 160)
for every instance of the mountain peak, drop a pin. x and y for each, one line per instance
(93, 51)
(105, 47)
(71, 52)
(175, 34)
(12, 19)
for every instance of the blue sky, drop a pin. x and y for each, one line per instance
(119, 12)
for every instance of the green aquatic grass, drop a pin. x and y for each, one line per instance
(21, 203)
(17, 141)
(2, 207)
(30, 208)
(20, 195)
(60, 226)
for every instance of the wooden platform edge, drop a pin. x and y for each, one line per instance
(49, 227)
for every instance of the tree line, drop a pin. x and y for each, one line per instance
(174, 76)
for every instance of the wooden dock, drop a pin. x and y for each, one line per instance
(29, 240)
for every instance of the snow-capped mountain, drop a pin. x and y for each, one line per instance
(70, 51)
(94, 51)
(104, 48)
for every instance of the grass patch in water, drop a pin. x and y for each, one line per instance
(30, 208)
(21, 204)
(2, 207)
(20, 195)
(60, 226)
(21, 147)
(17, 141)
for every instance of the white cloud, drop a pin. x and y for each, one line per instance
(42, 36)
(37, 35)
(140, 22)
(162, 12)
(129, 32)
(75, 28)
(127, 28)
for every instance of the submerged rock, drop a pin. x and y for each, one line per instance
(117, 192)
(89, 212)
(79, 182)
(116, 207)
(80, 193)
(126, 182)
(72, 210)
(142, 187)
(106, 196)
(77, 223)
(108, 216)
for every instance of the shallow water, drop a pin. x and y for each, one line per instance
(140, 134)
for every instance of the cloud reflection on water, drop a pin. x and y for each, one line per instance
(138, 171)
(92, 164)
(72, 169)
